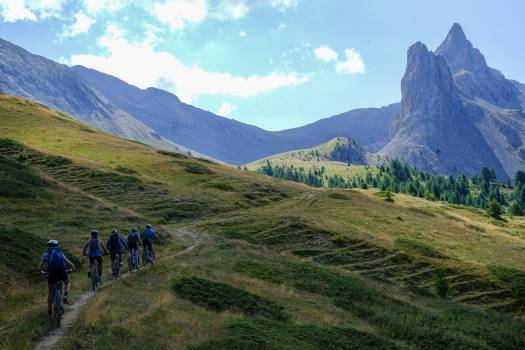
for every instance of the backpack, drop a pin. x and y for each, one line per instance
(94, 245)
(56, 259)
(114, 242)
(133, 239)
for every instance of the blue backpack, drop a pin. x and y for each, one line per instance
(56, 259)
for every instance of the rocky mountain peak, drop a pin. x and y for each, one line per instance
(427, 86)
(474, 78)
(459, 52)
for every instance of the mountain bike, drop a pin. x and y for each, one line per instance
(58, 306)
(116, 266)
(147, 256)
(133, 260)
(95, 278)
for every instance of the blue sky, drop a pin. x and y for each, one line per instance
(272, 63)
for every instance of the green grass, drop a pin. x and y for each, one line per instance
(221, 296)
(286, 266)
(263, 334)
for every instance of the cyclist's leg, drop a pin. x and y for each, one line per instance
(50, 292)
(65, 279)
(99, 261)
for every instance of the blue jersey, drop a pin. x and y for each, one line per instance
(94, 247)
(147, 234)
(116, 243)
(54, 259)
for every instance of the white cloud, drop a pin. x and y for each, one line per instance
(139, 64)
(325, 53)
(178, 13)
(353, 64)
(96, 6)
(31, 10)
(282, 26)
(243, 34)
(283, 5)
(228, 10)
(226, 109)
(81, 25)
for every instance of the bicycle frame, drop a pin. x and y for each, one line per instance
(58, 308)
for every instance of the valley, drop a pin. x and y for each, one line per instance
(275, 264)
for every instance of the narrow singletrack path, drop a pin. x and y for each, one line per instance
(74, 309)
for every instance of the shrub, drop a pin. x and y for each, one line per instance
(123, 169)
(494, 209)
(339, 196)
(197, 168)
(441, 283)
(220, 296)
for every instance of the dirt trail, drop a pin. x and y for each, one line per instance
(73, 310)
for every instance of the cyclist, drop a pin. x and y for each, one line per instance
(133, 245)
(56, 264)
(116, 244)
(95, 252)
(147, 235)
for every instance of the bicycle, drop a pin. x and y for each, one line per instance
(58, 306)
(116, 266)
(95, 278)
(147, 256)
(133, 260)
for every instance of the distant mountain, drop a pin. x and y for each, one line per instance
(457, 114)
(56, 85)
(367, 126)
(335, 156)
(229, 140)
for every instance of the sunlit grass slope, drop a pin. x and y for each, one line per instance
(318, 157)
(275, 265)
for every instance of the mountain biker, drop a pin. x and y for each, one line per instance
(56, 263)
(133, 243)
(95, 252)
(147, 235)
(116, 244)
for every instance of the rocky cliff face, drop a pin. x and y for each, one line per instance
(457, 113)
(474, 78)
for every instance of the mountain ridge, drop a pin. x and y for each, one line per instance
(457, 113)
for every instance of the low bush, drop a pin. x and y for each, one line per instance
(220, 296)
(19, 181)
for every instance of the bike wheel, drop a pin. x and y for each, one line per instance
(58, 308)
(94, 275)
(116, 266)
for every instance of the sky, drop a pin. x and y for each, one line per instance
(275, 64)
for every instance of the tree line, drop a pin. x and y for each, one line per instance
(481, 191)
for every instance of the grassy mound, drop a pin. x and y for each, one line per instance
(261, 334)
(19, 181)
(220, 297)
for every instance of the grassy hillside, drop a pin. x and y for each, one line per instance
(272, 264)
(324, 155)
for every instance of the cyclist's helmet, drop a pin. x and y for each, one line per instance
(52, 243)
(148, 226)
(134, 229)
(94, 234)
(114, 230)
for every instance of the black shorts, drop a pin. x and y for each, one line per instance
(133, 246)
(113, 254)
(98, 259)
(57, 275)
(147, 243)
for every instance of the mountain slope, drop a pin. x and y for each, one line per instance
(56, 85)
(275, 263)
(457, 114)
(230, 140)
(367, 126)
